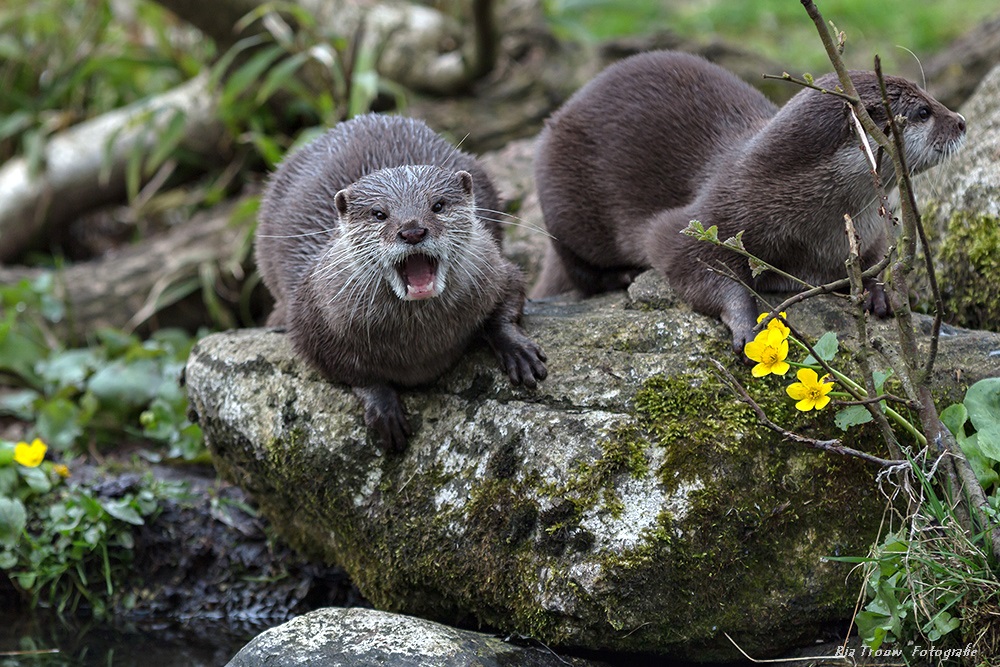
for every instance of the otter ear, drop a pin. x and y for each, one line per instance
(465, 180)
(340, 201)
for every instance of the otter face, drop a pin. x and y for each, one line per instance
(931, 132)
(409, 225)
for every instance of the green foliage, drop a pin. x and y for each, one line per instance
(778, 27)
(63, 545)
(981, 411)
(63, 61)
(919, 584)
(119, 386)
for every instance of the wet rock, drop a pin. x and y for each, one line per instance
(629, 504)
(337, 637)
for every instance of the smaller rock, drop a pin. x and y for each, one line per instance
(338, 637)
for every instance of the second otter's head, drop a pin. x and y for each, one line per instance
(410, 224)
(932, 132)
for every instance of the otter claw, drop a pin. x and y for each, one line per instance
(384, 414)
(522, 359)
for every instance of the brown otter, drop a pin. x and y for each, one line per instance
(376, 244)
(664, 138)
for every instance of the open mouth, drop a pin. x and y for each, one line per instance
(419, 274)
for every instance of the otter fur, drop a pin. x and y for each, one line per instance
(378, 242)
(664, 138)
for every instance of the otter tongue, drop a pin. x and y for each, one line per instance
(418, 274)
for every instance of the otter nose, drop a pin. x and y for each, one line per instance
(413, 235)
(961, 122)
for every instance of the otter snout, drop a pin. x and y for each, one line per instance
(412, 235)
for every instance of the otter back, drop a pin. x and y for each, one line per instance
(683, 140)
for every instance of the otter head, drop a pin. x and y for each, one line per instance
(409, 224)
(931, 131)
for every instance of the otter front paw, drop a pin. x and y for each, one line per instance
(520, 357)
(384, 414)
(877, 301)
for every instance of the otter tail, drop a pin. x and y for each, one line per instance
(553, 279)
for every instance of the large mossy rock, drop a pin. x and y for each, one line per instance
(631, 503)
(962, 214)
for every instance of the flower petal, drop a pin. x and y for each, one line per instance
(797, 391)
(753, 350)
(807, 376)
(806, 404)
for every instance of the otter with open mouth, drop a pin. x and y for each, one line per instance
(377, 244)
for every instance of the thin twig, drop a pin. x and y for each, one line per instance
(836, 285)
(905, 402)
(833, 446)
(857, 298)
(785, 76)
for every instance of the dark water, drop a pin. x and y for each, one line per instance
(58, 642)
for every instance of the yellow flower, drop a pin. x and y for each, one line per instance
(30, 456)
(769, 350)
(61, 470)
(810, 391)
(776, 323)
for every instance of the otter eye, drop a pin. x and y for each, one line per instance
(438, 206)
(923, 113)
(379, 214)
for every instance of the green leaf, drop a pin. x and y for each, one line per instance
(873, 627)
(248, 74)
(852, 415)
(982, 400)
(879, 378)
(940, 625)
(122, 510)
(13, 519)
(279, 75)
(36, 479)
(989, 442)
(168, 139)
(125, 387)
(67, 369)
(954, 418)
(19, 404)
(826, 347)
(982, 465)
(59, 423)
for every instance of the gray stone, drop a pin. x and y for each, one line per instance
(960, 201)
(336, 637)
(630, 504)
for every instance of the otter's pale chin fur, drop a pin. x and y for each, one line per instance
(416, 276)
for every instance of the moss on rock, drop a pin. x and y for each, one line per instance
(969, 270)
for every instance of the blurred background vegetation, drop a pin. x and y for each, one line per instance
(776, 28)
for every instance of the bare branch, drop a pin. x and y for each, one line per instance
(832, 446)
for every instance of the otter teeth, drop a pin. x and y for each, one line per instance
(419, 275)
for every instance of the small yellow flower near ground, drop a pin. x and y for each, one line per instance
(30, 456)
(61, 470)
(776, 323)
(810, 391)
(769, 349)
